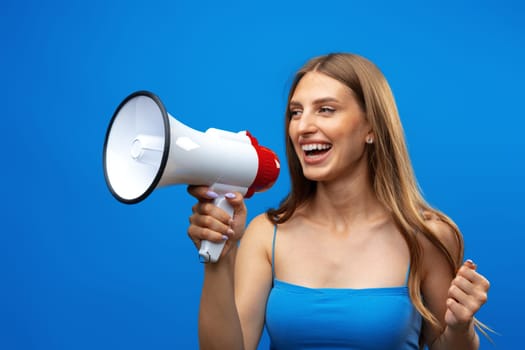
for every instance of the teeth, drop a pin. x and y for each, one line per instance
(315, 147)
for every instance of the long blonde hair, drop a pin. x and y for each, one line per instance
(391, 171)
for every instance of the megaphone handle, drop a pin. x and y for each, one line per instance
(211, 251)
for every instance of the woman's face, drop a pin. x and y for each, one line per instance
(327, 128)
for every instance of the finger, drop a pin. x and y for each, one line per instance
(468, 272)
(460, 312)
(201, 192)
(469, 295)
(462, 283)
(236, 200)
(470, 264)
(198, 234)
(212, 223)
(471, 288)
(463, 298)
(196, 242)
(213, 211)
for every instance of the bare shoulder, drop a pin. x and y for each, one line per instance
(259, 228)
(261, 221)
(258, 233)
(443, 232)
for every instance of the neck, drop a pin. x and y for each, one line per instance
(345, 203)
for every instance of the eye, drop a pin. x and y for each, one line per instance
(326, 110)
(295, 113)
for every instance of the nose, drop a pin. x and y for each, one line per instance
(307, 123)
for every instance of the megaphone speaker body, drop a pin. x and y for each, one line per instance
(146, 148)
(209, 158)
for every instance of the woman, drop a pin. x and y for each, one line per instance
(354, 258)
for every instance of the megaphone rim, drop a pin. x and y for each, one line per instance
(165, 153)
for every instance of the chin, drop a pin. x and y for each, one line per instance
(316, 176)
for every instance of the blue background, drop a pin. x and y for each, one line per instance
(79, 270)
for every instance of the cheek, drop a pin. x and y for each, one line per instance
(356, 131)
(351, 140)
(351, 132)
(292, 138)
(293, 134)
(290, 131)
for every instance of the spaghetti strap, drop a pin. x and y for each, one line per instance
(408, 274)
(273, 252)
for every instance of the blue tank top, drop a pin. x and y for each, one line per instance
(340, 318)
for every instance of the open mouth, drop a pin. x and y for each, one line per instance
(316, 149)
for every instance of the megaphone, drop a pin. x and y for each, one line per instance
(146, 148)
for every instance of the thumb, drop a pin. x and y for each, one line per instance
(236, 201)
(470, 264)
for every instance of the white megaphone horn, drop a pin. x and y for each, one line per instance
(146, 148)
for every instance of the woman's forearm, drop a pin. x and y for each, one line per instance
(457, 339)
(219, 325)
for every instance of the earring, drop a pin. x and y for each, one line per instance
(369, 140)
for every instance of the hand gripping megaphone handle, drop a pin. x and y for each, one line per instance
(211, 251)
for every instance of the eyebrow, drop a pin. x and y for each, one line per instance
(316, 102)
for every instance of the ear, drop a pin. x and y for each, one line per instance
(370, 137)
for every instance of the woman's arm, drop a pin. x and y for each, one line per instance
(454, 300)
(235, 289)
(219, 324)
(253, 278)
